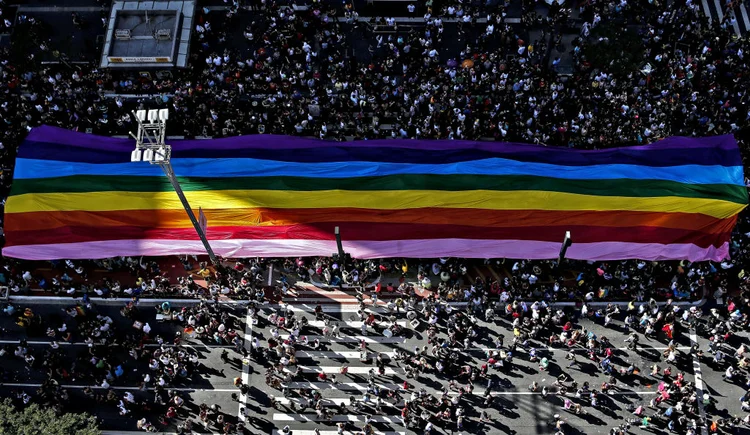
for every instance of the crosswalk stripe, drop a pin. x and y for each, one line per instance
(336, 401)
(346, 323)
(707, 10)
(336, 418)
(335, 354)
(357, 339)
(329, 432)
(337, 370)
(340, 309)
(342, 386)
(719, 11)
(743, 13)
(310, 308)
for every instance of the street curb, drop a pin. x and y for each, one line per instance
(118, 301)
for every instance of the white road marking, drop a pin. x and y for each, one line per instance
(357, 339)
(337, 369)
(326, 295)
(330, 432)
(699, 385)
(336, 418)
(348, 323)
(246, 367)
(743, 14)
(337, 354)
(707, 10)
(335, 402)
(343, 386)
(719, 11)
(129, 432)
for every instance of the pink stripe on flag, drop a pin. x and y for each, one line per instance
(423, 248)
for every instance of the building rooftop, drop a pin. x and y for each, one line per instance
(145, 34)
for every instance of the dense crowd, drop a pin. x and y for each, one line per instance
(466, 384)
(640, 71)
(685, 76)
(448, 279)
(159, 361)
(114, 357)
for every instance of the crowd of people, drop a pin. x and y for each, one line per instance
(464, 399)
(115, 357)
(640, 71)
(537, 329)
(686, 77)
(449, 279)
(309, 73)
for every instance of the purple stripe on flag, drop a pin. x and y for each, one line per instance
(716, 150)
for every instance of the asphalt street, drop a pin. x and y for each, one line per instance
(212, 384)
(516, 411)
(520, 411)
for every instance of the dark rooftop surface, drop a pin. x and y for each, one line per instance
(143, 25)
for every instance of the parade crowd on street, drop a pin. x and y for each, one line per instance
(537, 331)
(681, 75)
(555, 340)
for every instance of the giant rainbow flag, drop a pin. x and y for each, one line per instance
(79, 196)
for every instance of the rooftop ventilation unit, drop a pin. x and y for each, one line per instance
(122, 34)
(163, 34)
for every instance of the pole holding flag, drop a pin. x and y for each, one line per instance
(202, 220)
(338, 244)
(567, 241)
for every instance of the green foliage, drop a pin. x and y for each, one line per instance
(35, 420)
(620, 53)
